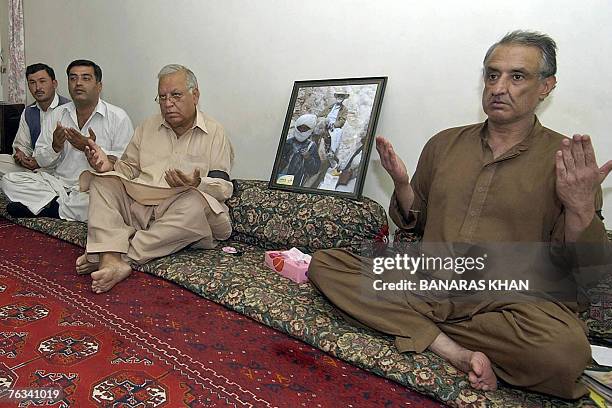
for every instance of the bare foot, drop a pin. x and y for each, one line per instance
(476, 364)
(84, 267)
(110, 274)
(478, 367)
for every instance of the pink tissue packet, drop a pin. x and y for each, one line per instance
(292, 264)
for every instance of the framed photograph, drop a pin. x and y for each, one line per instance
(328, 135)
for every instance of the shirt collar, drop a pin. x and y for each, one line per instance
(520, 146)
(101, 108)
(526, 142)
(200, 122)
(53, 105)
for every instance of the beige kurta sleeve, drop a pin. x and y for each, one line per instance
(129, 164)
(221, 157)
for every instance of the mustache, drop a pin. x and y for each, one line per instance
(499, 99)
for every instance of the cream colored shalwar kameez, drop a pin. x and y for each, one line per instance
(133, 211)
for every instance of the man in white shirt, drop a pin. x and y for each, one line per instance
(61, 147)
(42, 86)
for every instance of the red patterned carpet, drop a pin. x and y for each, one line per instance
(149, 343)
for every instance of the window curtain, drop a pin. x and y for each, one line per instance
(16, 61)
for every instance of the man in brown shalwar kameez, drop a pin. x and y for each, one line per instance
(508, 179)
(165, 193)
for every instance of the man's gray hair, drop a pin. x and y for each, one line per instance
(192, 82)
(547, 46)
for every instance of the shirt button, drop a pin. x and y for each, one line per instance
(473, 213)
(482, 189)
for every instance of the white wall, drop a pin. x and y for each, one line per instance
(247, 54)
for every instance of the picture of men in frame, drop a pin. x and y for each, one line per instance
(328, 135)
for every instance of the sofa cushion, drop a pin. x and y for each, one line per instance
(275, 219)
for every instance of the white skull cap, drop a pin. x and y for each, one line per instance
(308, 119)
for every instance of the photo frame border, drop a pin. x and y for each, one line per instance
(381, 81)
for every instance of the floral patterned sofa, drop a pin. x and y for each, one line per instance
(270, 219)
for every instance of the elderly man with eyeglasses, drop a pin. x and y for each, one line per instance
(165, 193)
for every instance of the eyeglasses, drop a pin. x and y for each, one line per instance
(172, 97)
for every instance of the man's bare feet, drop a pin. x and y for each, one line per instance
(112, 270)
(474, 363)
(480, 373)
(84, 267)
